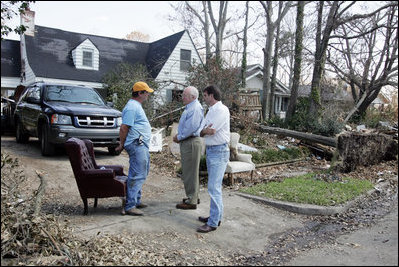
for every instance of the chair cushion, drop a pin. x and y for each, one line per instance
(239, 166)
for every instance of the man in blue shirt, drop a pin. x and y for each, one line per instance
(187, 136)
(135, 135)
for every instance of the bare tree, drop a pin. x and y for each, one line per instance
(367, 57)
(203, 17)
(275, 64)
(219, 25)
(244, 53)
(337, 16)
(298, 60)
(206, 18)
(137, 36)
(271, 27)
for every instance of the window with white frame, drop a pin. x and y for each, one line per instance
(87, 57)
(185, 59)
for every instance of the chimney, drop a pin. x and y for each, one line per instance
(28, 20)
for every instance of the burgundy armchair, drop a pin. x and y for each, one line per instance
(94, 181)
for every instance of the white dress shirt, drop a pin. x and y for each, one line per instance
(219, 116)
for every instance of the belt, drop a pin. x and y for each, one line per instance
(217, 145)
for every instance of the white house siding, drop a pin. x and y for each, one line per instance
(29, 76)
(77, 55)
(171, 70)
(8, 85)
(255, 82)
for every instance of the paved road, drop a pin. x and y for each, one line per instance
(371, 246)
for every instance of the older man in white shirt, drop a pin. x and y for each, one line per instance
(217, 137)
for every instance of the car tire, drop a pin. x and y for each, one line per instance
(46, 147)
(113, 152)
(20, 135)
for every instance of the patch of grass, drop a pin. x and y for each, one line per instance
(305, 189)
(273, 155)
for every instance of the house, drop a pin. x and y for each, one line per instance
(10, 66)
(54, 55)
(382, 102)
(254, 86)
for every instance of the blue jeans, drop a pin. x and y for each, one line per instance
(139, 166)
(217, 158)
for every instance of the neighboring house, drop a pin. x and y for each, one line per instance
(54, 55)
(331, 94)
(10, 66)
(382, 102)
(254, 85)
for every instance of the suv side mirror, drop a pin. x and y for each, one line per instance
(110, 104)
(32, 100)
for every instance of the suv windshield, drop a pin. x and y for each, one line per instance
(72, 94)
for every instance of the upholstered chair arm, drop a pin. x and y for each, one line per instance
(244, 158)
(117, 168)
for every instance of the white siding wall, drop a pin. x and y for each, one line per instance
(171, 70)
(254, 82)
(29, 76)
(77, 55)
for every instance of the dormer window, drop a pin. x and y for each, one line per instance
(88, 57)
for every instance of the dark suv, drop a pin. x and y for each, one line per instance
(56, 112)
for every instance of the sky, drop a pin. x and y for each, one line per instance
(104, 18)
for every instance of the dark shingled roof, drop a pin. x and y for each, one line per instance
(10, 59)
(159, 52)
(55, 46)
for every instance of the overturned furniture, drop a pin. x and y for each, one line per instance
(238, 162)
(94, 181)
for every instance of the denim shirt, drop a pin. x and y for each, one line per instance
(190, 121)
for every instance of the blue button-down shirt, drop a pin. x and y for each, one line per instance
(190, 121)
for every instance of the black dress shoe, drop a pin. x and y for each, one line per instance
(205, 229)
(185, 206)
(205, 220)
(185, 199)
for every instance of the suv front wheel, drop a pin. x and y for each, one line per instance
(46, 147)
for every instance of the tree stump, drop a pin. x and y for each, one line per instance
(365, 149)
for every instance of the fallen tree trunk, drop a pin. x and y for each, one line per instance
(313, 138)
(326, 152)
(261, 165)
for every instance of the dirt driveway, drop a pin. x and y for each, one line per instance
(251, 233)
